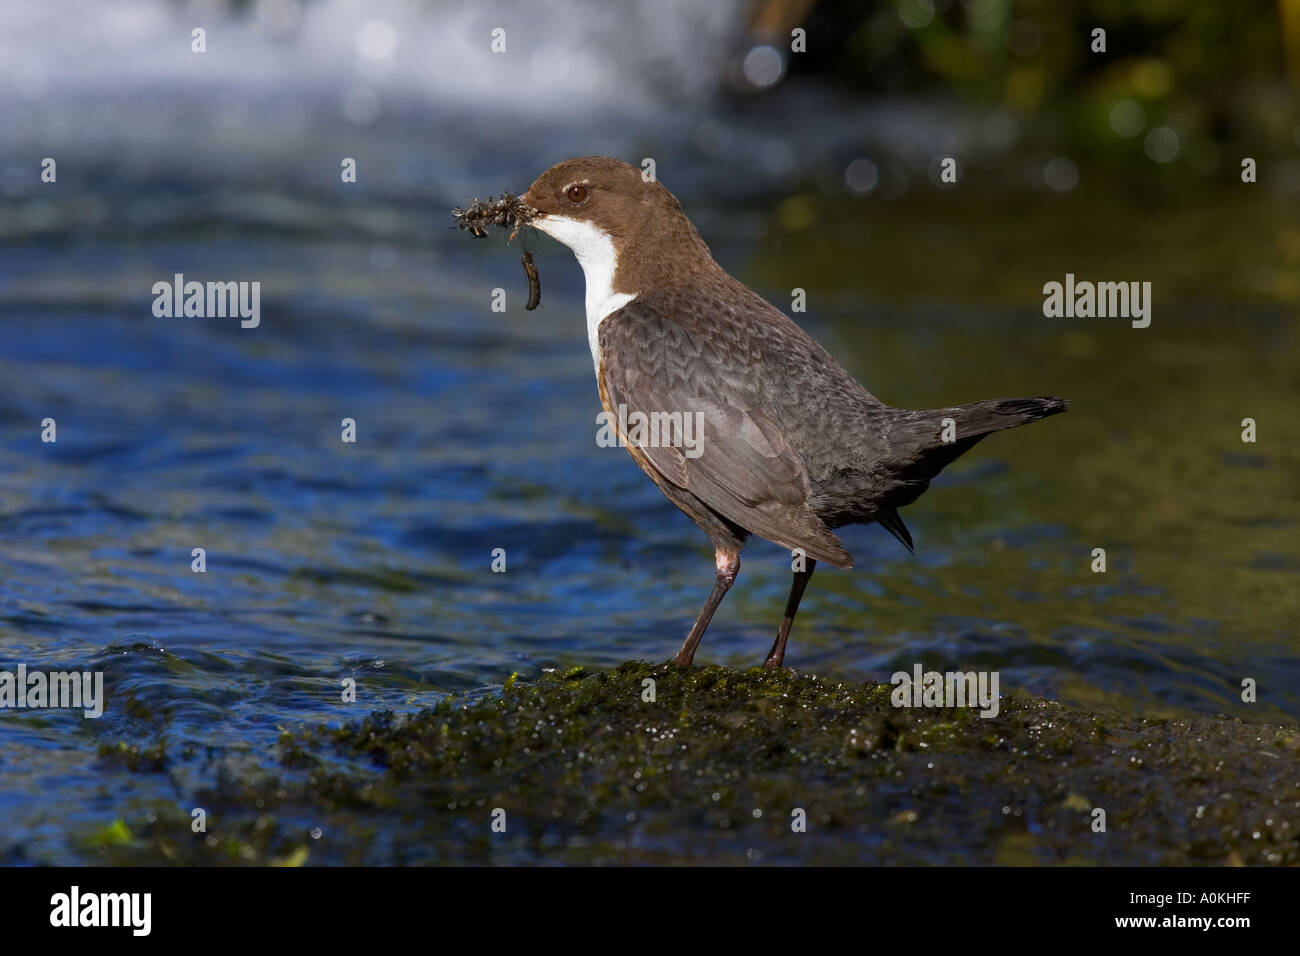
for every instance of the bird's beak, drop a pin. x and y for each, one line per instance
(540, 220)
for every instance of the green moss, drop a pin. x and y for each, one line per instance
(650, 764)
(149, 758)
(113, 834)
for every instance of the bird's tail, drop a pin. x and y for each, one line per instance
(984, 418)
(928, 441)
(924, 443)
(942, 434)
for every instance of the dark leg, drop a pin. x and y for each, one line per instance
(801, 578)
(728, 567)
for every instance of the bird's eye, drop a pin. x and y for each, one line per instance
(576, 193)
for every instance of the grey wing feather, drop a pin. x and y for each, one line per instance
(746, 471)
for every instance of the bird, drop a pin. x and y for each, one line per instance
(792, 446)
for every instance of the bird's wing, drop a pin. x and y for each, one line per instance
(742, 467)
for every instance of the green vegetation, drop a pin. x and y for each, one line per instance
(588, 769)
(1220, 74)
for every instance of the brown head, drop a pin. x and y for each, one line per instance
(630, 235)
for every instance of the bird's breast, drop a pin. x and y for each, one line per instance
(595, 251)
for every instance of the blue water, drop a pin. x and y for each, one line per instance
(475, 431)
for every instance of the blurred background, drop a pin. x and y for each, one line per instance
(816, 170)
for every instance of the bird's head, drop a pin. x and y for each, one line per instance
(599, 207)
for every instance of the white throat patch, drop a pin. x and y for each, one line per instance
(594, 250)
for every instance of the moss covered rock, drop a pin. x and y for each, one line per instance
(649, 764)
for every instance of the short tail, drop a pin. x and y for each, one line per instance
(984, 418)
(927, 442)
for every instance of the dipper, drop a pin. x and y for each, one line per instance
(791, 446)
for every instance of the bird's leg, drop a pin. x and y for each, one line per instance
(728, 563)
(801, 578)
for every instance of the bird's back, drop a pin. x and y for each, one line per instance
(863, 458)
(756, 352)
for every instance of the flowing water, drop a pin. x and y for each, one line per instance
(475, 430)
